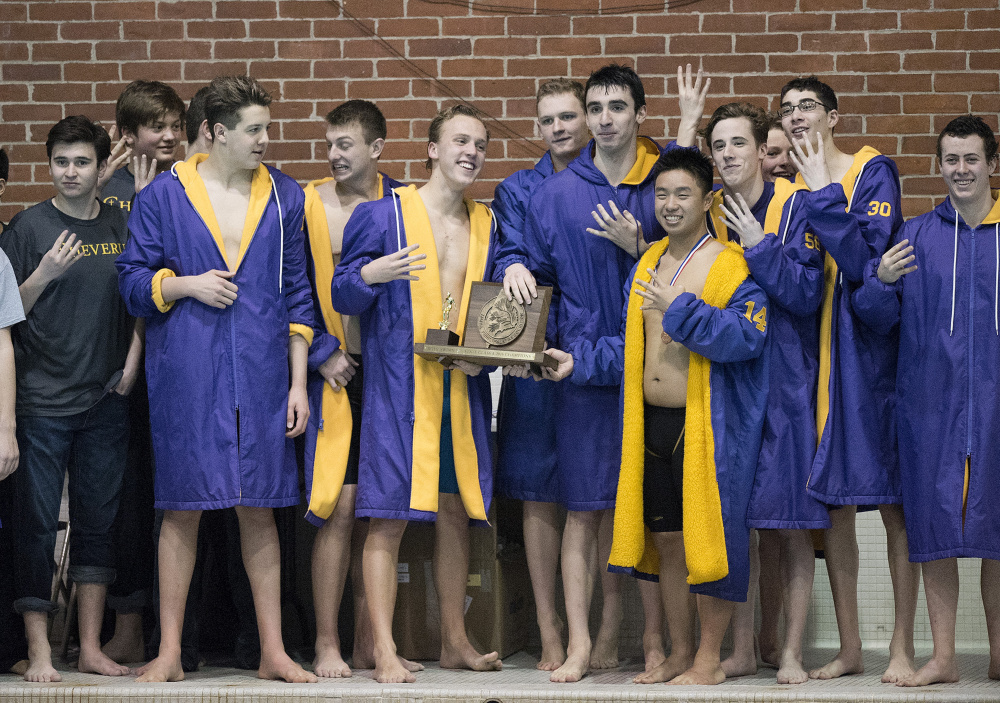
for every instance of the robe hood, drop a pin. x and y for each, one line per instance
(647, 152)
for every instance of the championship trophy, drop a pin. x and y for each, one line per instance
(498, 331)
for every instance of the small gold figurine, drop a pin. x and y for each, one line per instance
(449, 303)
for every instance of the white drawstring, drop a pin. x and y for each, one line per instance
(791, 206)
(996, 282)
(281, 225)
(399, 236)
(954, 269)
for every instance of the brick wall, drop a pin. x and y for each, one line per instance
(901, 67)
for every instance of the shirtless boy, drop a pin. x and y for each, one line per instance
(355, 137)
(707, 323)
(426, 427)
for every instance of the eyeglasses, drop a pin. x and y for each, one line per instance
(806, 105)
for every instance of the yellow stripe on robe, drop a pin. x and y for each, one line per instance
(194, 186)
(428, 376)
(716, 215)
(829, 282)
(333, 440)
(704, 536)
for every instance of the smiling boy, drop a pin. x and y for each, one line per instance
(937, 285)
(426, 427)
(854, 210)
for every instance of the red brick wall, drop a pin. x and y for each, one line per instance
(901, 67)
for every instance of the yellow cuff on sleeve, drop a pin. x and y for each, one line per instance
(304, 330)
(161, 305)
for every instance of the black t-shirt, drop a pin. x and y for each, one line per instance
(77, 334)
(119, 191)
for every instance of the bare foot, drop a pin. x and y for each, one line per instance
(666, 670)
(572, 670)
(362, 662)
(900, 667)
(410, 666)
(933, 671)
(281, 666)
(124, 647)
(20, 667)
(845, 664)
(41, 671)
(161, 669)
(770, 657)
(553, 654)
(652, 651)
(97, 662)
(465, 656)
(770, 652)
(604, 655)
(393, 671)
(791, 670)
(699, 676)
(329, 664)
(739, 664)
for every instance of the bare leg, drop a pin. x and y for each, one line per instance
(541, 545)
(90, 602)
(380, 555)
(941, 589)
(262, 559)
(40, 669)
(176, 553)
(770, 594)
(331, 557)
(451, 575)
(605, 652)
(715, 615)
(743, 660)
(905, 584)
(653, 653)
(579, 563)
(678, 607)
(841, 550)
(798, 565)
(126, 645)
(989, 583)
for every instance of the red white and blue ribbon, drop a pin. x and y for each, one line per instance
(701, 242)
(664, 337)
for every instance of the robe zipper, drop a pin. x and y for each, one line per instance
(972, 281)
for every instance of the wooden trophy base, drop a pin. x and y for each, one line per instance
(523, 338)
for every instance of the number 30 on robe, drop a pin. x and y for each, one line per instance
(760, 318)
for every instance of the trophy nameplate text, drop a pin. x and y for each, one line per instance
(498, 331)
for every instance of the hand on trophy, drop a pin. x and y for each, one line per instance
(519, 284)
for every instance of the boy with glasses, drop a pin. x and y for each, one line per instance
(854, 210)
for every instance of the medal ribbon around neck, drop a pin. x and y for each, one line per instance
(664, 337)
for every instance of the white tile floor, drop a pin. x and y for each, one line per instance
(519, 681)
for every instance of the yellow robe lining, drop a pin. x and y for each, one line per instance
(646, 154)
(333, 440)
(428, 376)
(194, 186)
(829, 282)
(704, 535)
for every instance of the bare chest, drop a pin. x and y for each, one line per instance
(230, 207)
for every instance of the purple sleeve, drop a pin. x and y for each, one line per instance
(364, 241)
(142, 257)
(735, 333)
(791, 273)
(855, 237)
